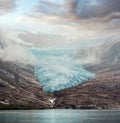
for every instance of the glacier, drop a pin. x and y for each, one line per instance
(58, 69)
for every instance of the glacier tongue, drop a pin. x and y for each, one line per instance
(58, 69)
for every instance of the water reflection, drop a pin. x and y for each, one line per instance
(60, 116)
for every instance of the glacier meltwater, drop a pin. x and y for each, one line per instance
(59, 69)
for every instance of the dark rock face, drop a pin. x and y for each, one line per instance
(19, 88)
(103, 92)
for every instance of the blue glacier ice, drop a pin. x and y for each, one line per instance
(58, 69)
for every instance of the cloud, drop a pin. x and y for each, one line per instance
(91, 18)
(76, 10)
(80, 14)
(15, 51)
(49, 8)
(7, 6)
(86, 9)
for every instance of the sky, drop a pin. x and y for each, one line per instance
(80, 20)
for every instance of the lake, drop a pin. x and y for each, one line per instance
(60, 116)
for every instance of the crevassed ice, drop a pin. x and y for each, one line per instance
(59, 69)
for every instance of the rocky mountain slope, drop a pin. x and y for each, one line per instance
(19, 88)
(103, 92)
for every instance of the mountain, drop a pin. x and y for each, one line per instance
(107, 53)
(102, 92)
(43, 40)
(109, 57)
(111, 52)
(19, 89)
(89, 56)
(13, 49)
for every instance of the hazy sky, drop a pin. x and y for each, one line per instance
(74, 19)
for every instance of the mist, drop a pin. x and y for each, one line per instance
(11, 50)
(17, 46)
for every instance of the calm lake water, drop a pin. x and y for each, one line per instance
(60, 116)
